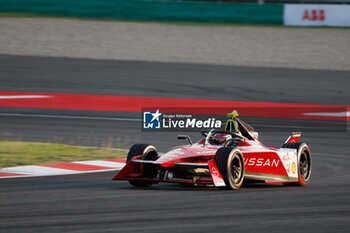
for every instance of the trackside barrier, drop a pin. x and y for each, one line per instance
(152, 10)
(317, 15)
(196, 11)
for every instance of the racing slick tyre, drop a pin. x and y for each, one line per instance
(304, 163)
(231, 166)
(148, 152)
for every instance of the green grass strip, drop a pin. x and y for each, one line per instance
(31, 153)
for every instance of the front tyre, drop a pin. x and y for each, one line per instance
(148, 152)
(231, 166)
(304, 162)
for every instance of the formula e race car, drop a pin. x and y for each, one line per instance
(222, 158)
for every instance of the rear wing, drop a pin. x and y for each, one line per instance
(294, 137)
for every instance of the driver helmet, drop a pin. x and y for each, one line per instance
(222, 138)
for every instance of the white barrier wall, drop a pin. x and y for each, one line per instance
(316, 15)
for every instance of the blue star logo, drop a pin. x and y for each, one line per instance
(151, 120)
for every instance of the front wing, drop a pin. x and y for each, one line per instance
(270, 167)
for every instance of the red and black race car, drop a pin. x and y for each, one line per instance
(222, 158)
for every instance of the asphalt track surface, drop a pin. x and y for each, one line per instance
(93, 203)
(132, 78)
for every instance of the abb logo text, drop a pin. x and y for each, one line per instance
(314, 15)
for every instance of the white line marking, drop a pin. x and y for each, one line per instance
(289, 126)
(6, 97)
(35, 170)
(334, 114)
(102, 163)
(69, 117)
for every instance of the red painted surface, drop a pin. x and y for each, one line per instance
(75, 166)
(264, 162)
(215, 174)
(189, 106)
(5, 174)
(128, 169)
(187, 154)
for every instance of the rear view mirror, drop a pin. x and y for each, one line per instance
(185, 137)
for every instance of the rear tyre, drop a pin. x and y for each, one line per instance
(231, 166)
(148, 152)
(304, 163)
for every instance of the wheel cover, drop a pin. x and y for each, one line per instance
(304, 165)
(236, 169)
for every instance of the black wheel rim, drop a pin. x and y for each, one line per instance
(236, 169)
(304, 165)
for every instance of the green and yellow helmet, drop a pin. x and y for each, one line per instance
(232, 114)
(231, 124)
